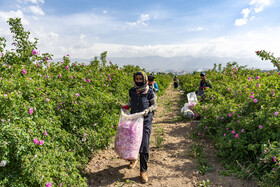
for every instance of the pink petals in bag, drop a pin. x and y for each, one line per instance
(129, 135)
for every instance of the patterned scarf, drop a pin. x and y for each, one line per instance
(141, 89)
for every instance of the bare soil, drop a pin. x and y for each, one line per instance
(170, 164)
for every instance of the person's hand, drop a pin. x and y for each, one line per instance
(146, 112)
(125, 107)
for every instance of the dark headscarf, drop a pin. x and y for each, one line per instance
(145, 87)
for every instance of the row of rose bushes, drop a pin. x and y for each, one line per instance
(55, 115)
(241, 114)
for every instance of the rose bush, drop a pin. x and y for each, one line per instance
(53, 115)
(241, 116)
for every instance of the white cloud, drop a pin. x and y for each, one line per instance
(240, 22)
(31, 1)
(141, 21)
(82, 36)
(52, 34)
(243, 21)
(35, 10)
(259, 5)
(196, 29)
(246, 12)
(105, 11)
(4, 16)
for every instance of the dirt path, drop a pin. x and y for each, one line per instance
(170, 163)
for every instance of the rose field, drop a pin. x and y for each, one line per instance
(241, 115)
(55, 115)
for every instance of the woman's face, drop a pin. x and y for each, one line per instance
(138, 78)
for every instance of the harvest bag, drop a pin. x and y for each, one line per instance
(129, 135)
(192, 99)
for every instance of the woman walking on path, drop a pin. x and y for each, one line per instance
(176, 82)
(142, 98)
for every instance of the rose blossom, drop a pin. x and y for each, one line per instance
(41, 142)
(31, 111)
(35, 141)
(34, 52)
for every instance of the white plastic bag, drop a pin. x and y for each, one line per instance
(188, 113)
(192, 99)
(187, 109)
(129, 135)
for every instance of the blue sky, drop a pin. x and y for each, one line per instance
(138, 28)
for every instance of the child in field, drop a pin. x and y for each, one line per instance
(152, 83)
(142, 98)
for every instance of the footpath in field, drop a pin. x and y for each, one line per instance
(172, 155)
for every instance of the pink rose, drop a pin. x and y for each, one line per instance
(34, 52)
(41, 142)
(35, 141)
(31, 111)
